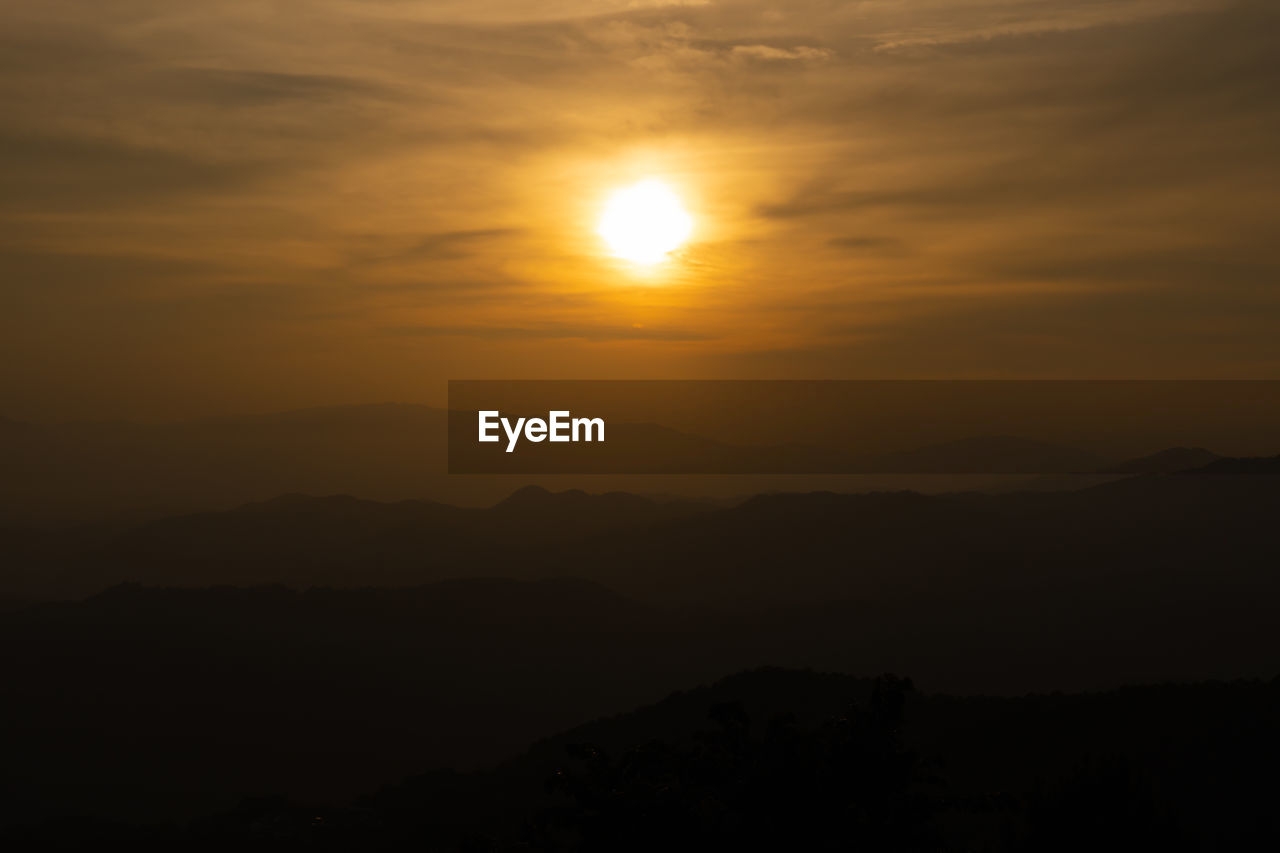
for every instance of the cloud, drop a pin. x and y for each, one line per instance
(247, 86)
(865, 243)
(59, 171)
(555, 331)
(437, 246)
(776, 54)
(398, 190)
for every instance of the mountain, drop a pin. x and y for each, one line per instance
(92, 470)
(390, 452)
(985, 455)
(536, 508)
(566, 607)
(780, 547)
(326, 691)
(1188, 764)
(345, 541)
(752, 761)
(1256, 465)
(1165, 462)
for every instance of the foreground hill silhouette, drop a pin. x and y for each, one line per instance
(781, 759)
(368, 641)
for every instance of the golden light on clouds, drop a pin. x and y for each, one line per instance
(645, 222)
(209, 207)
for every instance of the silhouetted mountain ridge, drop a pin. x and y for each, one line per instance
(1168, 461)
(389, 452)
(343, 540)
(829, 543)
(1256, 465)
(1000, 454)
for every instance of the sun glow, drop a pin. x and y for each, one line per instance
(645, 222)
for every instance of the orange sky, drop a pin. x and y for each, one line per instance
(235, 205)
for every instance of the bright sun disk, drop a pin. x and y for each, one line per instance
(644, 222)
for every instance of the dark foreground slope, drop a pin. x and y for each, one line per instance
(149, 703)
(777, 759)
(176, 699)
(1149, 578)
(152, 702)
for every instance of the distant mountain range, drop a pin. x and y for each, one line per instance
(782, 547)
(1165, 462)
(1257, 465)
(986, 455)
(324, 645)
(94, 471)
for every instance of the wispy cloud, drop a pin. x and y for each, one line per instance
(390, 192)
(555, 331)
(769, 53)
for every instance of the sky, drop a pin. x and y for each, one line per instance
(225, 206)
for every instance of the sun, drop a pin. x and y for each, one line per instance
(645, 222)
